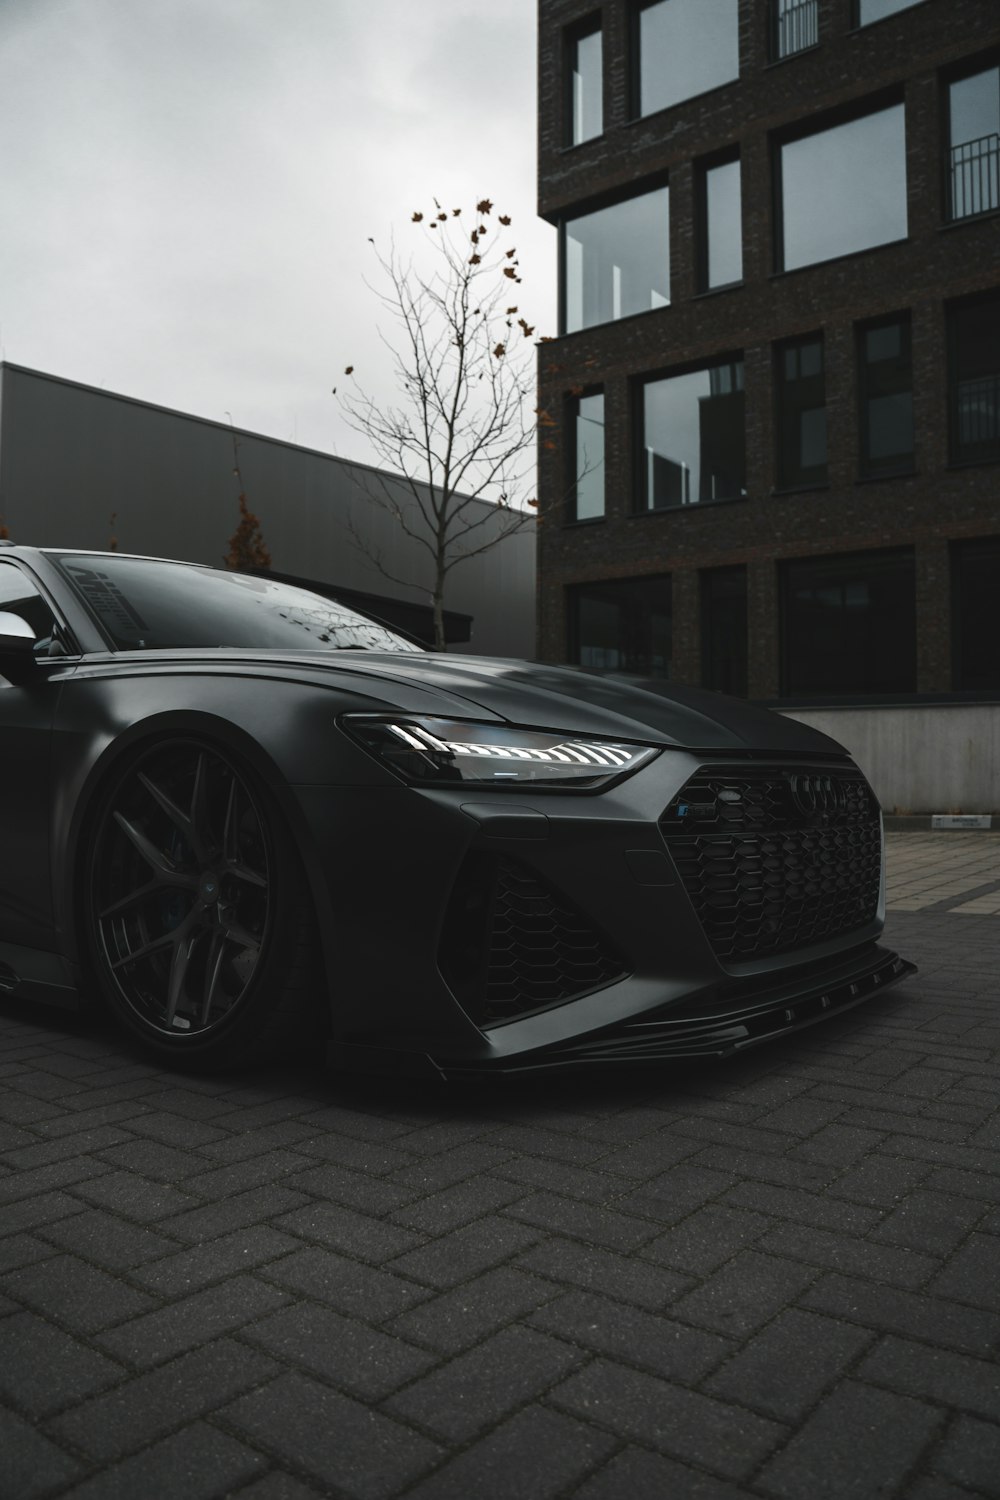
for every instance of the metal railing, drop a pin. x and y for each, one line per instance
(975, 177)
(794, 26)
(978, 411)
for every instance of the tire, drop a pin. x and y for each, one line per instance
(199, 928)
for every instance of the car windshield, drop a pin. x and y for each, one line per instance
(143, 604)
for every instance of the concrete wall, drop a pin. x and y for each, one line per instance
(71, 456)
(935, 758)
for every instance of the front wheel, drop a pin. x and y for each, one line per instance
(198, 922)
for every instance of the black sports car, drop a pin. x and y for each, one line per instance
(244, 814)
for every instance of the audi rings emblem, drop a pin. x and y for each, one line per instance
(817, 797)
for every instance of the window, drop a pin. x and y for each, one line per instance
(974, 384)
(623, 626)
(794, 26)
(685, 47)
(693, 438)
(587, 414)
(19, 596)
(843, 189)
(801, 390)
(616, 260)
(721, 224)
(975, 588)
(585, 106)
(885, 391)
(724, 630)
(849, 624)
(974, 144)
(867, 11)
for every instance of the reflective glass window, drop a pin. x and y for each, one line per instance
(885, 389)
(623, 625)
(843, 189)
(19, 596)
(849, 624)
(586, 109)
(693, 437)
(974, 144)
(975, 589)
(801, 390)
(974, 384)
(588, 486)
(874, 10)
(724, 630)
(616, 260)
(685, 48)
(794, 26)
(721, 225)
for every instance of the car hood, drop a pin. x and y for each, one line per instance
(577, 701)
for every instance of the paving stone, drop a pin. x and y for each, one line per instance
(348, 1285)
(706, 1239)
(676, 1193)
(785, 1171)
(351, 1233)
(308, 1426)
(337, 1184)
(31, 1213)
(935, 1375)
(232, 1148)
(375, 1157)
(155, 1160)
(465, 1315)
(98, 1236)
(58, 1174)
(243, 1209)
(459, 1204)
(649, 1157)
(932, 1222)
(785, 1369)
(651, 1341)
(431, 1174)
(22, 1250)
(970, 1455)
(157, 1336)
(199, 1463)
(597, 1226)
(199, 1265)
(43, 1369)
(973, 1273)
(802, 1207)
(587, 1184)
(859, 1257)
(67, 1289)
(340, 1350)
(31, 1466)
(177, 1130)
(931, 1319)
(465, 1252)
(130, 1194)
(278, 1486)
(41, 1153)
(744, 1293)
(636, 1474)
(129, 1110)
(476, 1389)
(855, 1446)
(880, 1181)
(259, 1171)
(723, 1439)
(621, 1276)
(145, 1408)
(536, 1455)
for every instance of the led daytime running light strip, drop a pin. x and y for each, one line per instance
(567, 754)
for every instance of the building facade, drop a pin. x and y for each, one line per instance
(80, 466)
(770, 456)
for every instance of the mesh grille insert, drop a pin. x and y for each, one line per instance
(512, 944)
(775, 859)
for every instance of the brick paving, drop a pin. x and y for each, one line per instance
(777, 1277)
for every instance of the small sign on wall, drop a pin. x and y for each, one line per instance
(961, 820)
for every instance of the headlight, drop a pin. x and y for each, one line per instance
(442, 751)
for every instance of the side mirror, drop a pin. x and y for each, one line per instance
(17, 647)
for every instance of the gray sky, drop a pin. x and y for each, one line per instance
(188, 187)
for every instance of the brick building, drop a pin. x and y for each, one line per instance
(771, 452)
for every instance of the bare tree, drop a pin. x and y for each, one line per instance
(461, 431)
(247, 548)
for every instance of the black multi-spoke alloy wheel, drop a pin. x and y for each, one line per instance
(198, 923)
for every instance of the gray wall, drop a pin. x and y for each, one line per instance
(71, 455)
(922, 758)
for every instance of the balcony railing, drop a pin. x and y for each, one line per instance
(975, 177)
(794, 26)
(978, 412)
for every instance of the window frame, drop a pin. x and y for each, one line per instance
(774, 30)
(782, 483)
(640, 614)
(705, 577)
(702, 168)
(785, 633)
(655, 184)
(986, 62)
(638, 405)
(634, 89)
(572, 413)
(958, 550)
(956, 458)
(904, 320)
(858, 25)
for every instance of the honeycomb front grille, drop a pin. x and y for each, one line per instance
(775, 859)
(512, 944)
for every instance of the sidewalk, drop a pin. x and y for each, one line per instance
(775, 1278)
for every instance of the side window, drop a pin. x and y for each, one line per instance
(19, 596)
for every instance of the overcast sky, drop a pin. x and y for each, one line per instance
(187, 187)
